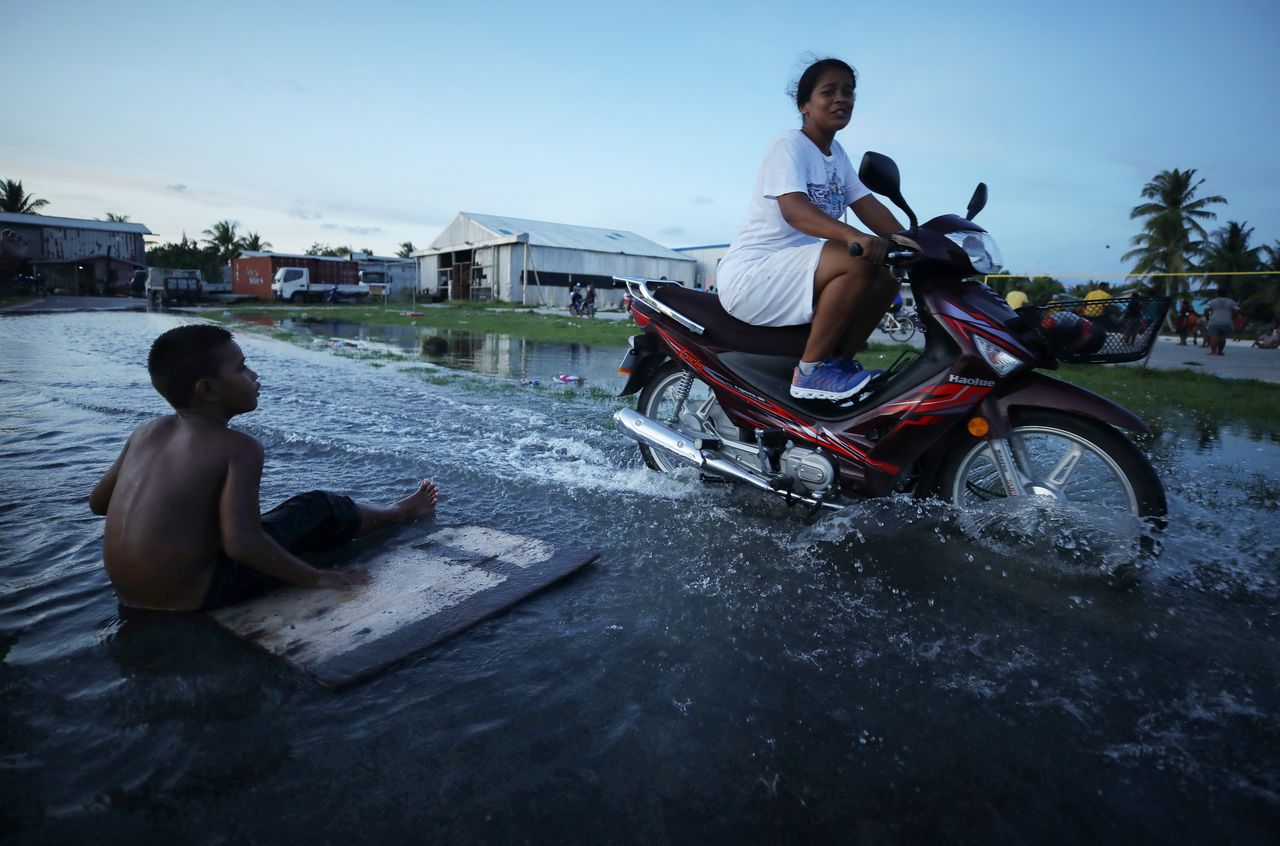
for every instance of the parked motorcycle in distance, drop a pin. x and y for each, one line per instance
(968, 419)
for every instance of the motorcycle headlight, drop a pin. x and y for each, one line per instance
(981, 249)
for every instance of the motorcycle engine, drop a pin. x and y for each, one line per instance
(809, 469)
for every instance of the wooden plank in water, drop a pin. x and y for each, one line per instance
(418, 596)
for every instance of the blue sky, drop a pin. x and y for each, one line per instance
(375, 123)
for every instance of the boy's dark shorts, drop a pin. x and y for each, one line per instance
(315, 521)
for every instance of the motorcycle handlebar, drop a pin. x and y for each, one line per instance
(891, 257)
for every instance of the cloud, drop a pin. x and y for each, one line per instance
(177, 188)
(671, 230)
(702, 201)
(354, 230)
(305, 215)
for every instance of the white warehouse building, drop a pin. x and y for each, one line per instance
(485, 256)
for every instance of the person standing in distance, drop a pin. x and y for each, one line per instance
(789, 263)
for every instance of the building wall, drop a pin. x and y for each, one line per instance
(708, 261)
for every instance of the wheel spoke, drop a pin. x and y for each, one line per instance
(1066, 466)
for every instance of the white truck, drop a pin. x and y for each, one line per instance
(296, 285)
(165, 285)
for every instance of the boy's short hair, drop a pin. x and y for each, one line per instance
(182, 356)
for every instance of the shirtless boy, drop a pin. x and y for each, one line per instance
(184, 531)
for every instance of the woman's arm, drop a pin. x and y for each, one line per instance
(803, 216)
(873, 213)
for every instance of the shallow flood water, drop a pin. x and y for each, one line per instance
(726, 672)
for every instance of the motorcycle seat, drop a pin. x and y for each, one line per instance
(728, 332)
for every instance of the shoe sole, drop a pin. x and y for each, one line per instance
(814, 393)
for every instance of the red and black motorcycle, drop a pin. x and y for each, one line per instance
(967, 419)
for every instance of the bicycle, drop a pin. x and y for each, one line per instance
(900, 326)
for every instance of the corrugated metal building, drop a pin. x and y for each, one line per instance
(80, 256)
(485, 256)
(708, 259)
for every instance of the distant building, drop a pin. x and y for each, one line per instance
(708, 259)
(79, 256)
(484, 256)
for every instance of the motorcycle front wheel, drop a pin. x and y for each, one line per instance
(1070, 458)
(697, 414)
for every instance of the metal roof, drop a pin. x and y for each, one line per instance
(71, 223)
(545, 234)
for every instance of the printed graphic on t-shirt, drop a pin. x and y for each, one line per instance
(829, 197)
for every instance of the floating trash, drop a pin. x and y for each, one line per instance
(569, 378)
(524, 383)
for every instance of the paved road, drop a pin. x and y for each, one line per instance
(1240, 362)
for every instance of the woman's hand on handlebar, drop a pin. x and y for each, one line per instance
(869, 247)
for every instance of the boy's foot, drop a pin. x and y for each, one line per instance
(420, 503)
(831, 380)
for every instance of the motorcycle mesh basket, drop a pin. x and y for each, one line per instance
(1099, 331)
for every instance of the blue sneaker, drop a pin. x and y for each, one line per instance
(849, 364)
(829, 381)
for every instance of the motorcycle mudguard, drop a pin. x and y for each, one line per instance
(1039, 391)
(646, 355)
(1033, 390)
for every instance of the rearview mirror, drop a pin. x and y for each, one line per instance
(977, 202)
(880, 173)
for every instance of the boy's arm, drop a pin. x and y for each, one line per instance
(100, 496)
(243, 538)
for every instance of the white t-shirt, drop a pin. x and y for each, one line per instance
(794, 163)
(1222, 310)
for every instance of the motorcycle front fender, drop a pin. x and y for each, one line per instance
(1037, 390)
(1032, 390)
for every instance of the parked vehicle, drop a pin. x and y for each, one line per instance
(166, 285)
(296, 285)
(967, 420)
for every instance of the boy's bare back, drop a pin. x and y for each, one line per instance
(165, 496)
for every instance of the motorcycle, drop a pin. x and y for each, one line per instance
(968, 419)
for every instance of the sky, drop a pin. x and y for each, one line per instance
(375, 123)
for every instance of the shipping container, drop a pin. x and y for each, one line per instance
(251, 273)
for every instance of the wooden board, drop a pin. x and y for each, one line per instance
(419, 595)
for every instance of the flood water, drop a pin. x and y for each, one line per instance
(726, 672)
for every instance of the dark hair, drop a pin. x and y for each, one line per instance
(182, 356)
(803, 89)
(1224, 290)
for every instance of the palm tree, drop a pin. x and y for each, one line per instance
(223, 238)
(1171, 219)
(14, 199)
(406, 249)
(112, 217)
(253, 242)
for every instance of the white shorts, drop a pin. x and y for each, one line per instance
(775, 289)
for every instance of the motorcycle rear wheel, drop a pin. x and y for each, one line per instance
(699, 416)
(1071, 458)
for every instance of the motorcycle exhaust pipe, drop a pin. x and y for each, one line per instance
(655, 435)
